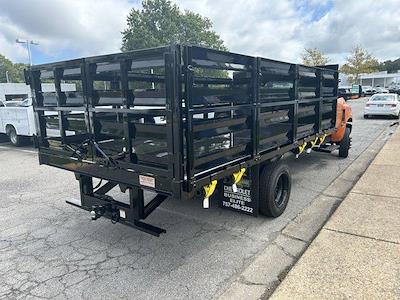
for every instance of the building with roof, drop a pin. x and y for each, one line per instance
(383, 79)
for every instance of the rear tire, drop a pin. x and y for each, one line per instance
(275, 186)
(15, 139)
(344, 144)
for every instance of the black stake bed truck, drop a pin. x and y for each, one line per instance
(183, 122)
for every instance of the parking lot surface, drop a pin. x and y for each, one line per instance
(52, 250)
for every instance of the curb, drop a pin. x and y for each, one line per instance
(263, 275)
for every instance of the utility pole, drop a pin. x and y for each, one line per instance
(8, 79)
(28, 47)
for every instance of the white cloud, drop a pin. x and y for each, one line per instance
(374, 25)
(274, 29)
(84, 27)
(265, 28)
(281, 30)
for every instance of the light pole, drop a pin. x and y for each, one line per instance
(8, 80)
(28, 47)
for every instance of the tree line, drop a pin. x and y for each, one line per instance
(11, 72)
(359, 61)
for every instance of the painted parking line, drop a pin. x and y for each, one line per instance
(17, 149)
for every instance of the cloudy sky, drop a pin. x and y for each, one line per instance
(269, 28)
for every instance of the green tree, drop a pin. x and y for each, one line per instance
(358, 62)
(161, 23)
(15, 72)
(313, 57)
(390, 66)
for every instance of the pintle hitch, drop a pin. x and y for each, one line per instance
(99, 210)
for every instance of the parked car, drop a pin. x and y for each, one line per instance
(368, 90)
(394, 88)
(382, 105)
(381, 90)
(345, 93)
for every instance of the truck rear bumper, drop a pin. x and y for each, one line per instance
(96, 200)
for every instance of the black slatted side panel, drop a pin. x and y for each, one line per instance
(219, 93)
(276, 97)
(308, 95)
(329, 84)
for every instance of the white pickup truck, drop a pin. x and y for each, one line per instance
(17, 120)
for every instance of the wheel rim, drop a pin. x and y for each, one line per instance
(281, 189)
(13, 137)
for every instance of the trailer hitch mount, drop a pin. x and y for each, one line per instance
(97, 211)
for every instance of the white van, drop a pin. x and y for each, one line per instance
(17, 120)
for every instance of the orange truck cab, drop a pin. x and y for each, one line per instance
(344, 119)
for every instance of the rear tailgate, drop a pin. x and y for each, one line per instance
(116, 123)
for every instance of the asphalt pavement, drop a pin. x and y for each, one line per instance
(50, 249)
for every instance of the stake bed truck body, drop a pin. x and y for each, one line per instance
(185, 122)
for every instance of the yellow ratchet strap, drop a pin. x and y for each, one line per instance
(301, 149)
(322, 139)
(208, 191)
(314, 143)
(237, 176)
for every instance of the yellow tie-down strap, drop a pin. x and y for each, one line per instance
(314, 143)
(237, 176)
(301, 149)
(322, 139)
(209, 189)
